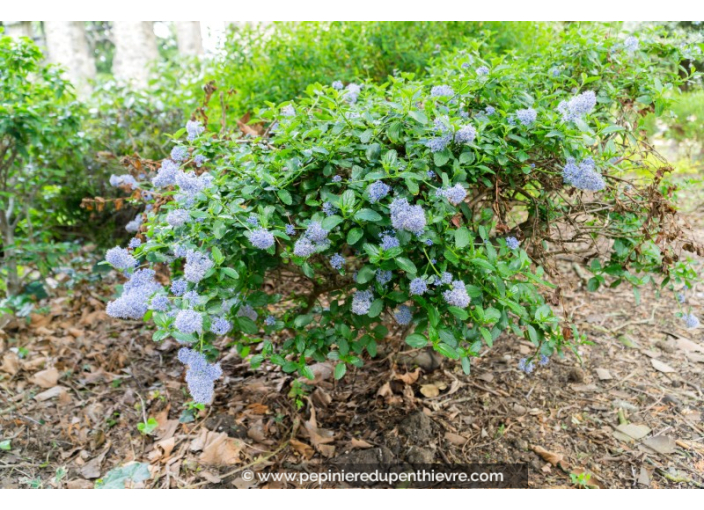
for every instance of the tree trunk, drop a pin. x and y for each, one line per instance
(189, 38)
(9, 260)
(18, 29)
(68, 46)
(135, 51)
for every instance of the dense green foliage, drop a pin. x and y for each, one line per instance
(277, 62)
(39, 136)
(405, 202)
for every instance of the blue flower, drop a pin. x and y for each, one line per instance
(690, 321)
(220, 326)
(377, 191)
(135, 242)
(631, 44)
(329, 209)
(120, 258)
(544, 360)
(179, 153)
(178, 217)
(197, 264)
(526, 366)
(489, 110)
(583, 175)
(288, 111)
(455, 195)
(526, 116)
(262, 239)
(253, 220)
(337, 178)
(404, 315)
(194, 129)
(337, 85)
(123, 180)
(577, 107)
(362, 302)
(189, 321)
(383, 277)
(200, 375)
(389, 241)
(407, 217)
(418, 287)
(457, 296)
(441, 91)
(337, 261)
(270, 320)
(166, 176)
(290, 229)
(512, 243)
(178, 287)
(466, 134)
(160, 303)
(482, 70)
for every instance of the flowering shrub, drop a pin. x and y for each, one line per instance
(430, 207)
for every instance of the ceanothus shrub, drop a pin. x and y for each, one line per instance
(426, 207)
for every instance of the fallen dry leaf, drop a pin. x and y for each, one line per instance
(409, 377)
(56, 391)
(220, 450)
(555, 459)
(662, 367)
(46, 378)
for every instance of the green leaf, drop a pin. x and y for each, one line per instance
(116, 478)
(416, 341)
(228, 271)
(354, 235)
(367, 215)
(340, 370)
(447, 350)
(461, 237)
(217, 255)
(442, 157)
(459, 313)
(366, 274)
(376, 308)
(6, 445)
(406, 265)
(486, 334)
(285, 196)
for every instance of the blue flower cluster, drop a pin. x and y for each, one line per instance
(526, 116)
(526, 366)
(690, 321)
(262, 239)
(513, 243)
(197, 264)
(442, 91)
(458, 295)
(179, 153)
(313, 240)
(220, 326)
(200, 375)
(362, 302)
(389, 241)
(337, 261)
(383, 277)
(133, 226)
(466, 134)
(337, 85)
(631, 44)
(120, 258)
(455, 195)
(418, 287)
(404, 315)
(194, 129)
(482, 70)
(377, 190)
(407, 217)
(134, 301)
(189, 321)
(352, 93)
(583, 175)
(179, 286)
(166, 176)
(288, 111)
(577, 107)
(178, 217)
